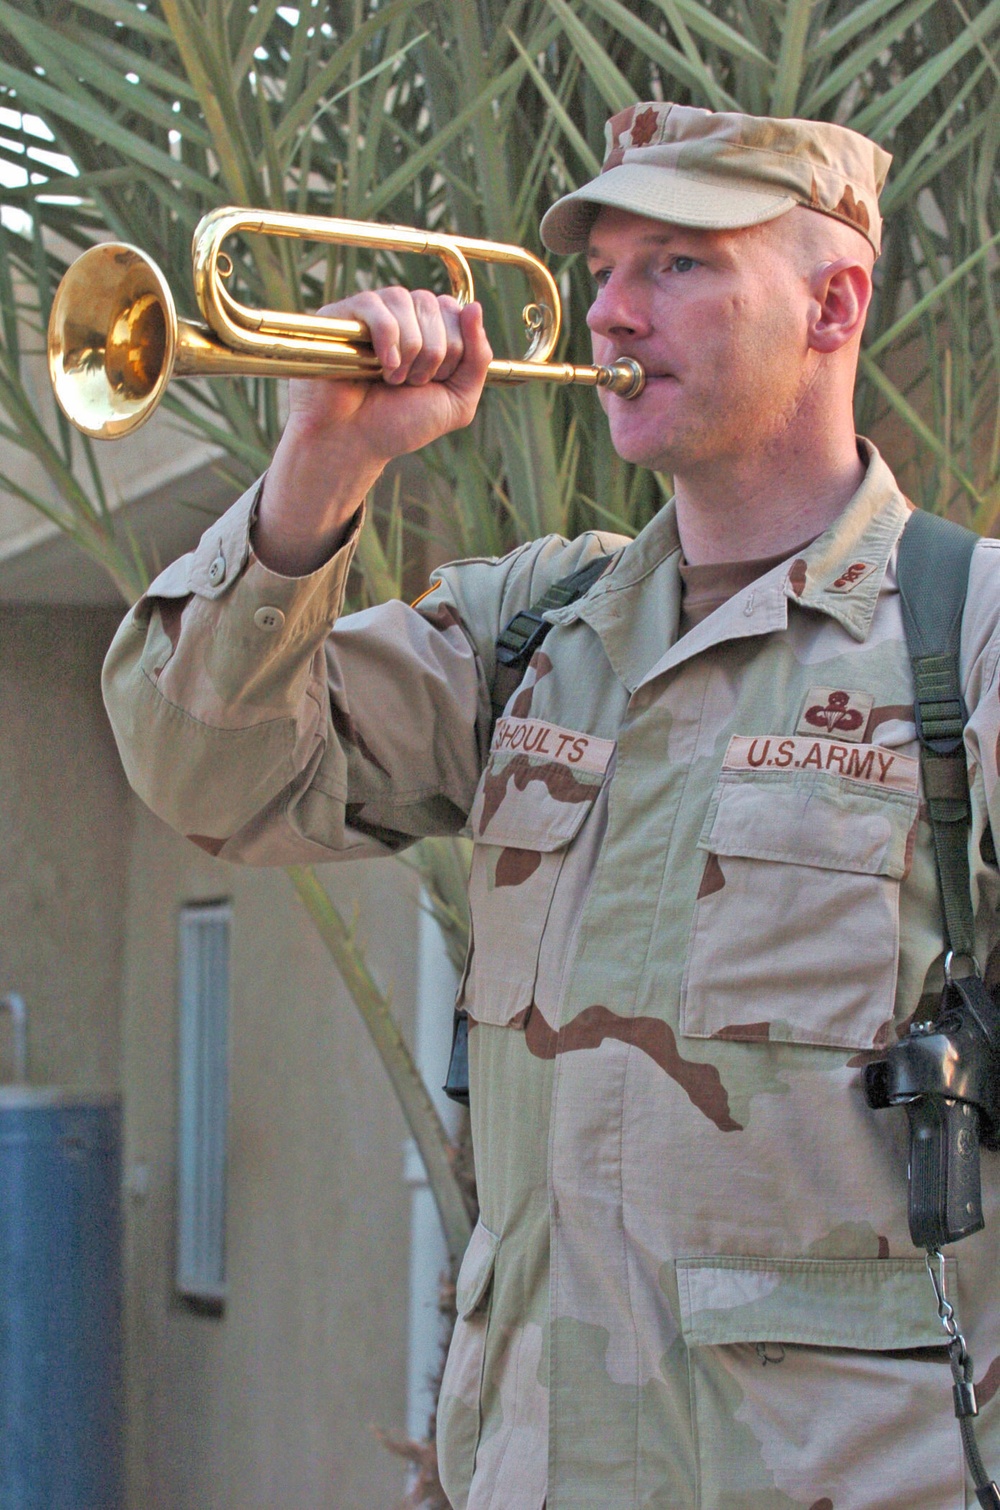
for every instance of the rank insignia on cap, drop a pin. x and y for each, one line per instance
(852, 576)
(835, 711)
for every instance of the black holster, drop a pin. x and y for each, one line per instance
(456, 1085)
(946, 1074)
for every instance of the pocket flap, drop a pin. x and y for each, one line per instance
(539, 784)
(476, 1270)
(875, 1305)
(811, 819)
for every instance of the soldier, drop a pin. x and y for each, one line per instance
(702, 891)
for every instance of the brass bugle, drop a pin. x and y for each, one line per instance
(115, 339)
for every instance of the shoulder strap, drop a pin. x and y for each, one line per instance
(933, 575)
(519, 640)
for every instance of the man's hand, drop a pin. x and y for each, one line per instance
(340, 434)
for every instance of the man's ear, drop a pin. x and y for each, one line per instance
(842, 291)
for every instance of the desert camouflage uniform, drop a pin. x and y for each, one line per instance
(703, 893)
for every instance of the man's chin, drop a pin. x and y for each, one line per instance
(643, 438)
(654, 452)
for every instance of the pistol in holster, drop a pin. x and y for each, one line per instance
(946, 1074)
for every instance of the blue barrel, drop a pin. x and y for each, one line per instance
(60, 1301)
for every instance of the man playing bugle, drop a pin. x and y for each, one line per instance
(703, 892)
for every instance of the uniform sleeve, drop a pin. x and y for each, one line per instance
(252, 725)
(981, 683)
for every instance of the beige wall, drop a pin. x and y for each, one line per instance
(63, 846)
(273, 1404)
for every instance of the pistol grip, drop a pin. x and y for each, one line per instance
(945, 1197)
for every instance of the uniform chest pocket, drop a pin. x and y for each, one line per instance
(537, 790)
(795, 935)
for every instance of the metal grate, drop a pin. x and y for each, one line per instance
(204, 1101)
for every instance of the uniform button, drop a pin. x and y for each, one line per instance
(217, 571)
(269, 619)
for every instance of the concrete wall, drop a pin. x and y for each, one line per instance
(63, 846)
(272, 1404)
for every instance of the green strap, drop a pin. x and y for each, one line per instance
(933, 574)
(519, 640)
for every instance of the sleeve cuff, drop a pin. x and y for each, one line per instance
(224, 563)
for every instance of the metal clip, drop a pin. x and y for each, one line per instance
(949, 966)
(934, 1259)
(963, 1390)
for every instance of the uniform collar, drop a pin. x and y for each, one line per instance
(842, 572)
(635, 607)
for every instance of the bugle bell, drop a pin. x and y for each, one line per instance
(115, 339)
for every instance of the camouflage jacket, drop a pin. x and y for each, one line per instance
(703, 893)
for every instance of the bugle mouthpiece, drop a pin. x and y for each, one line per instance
(626, 378)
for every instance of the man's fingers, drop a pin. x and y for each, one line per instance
(420, 337)
(470, 374)
(434, 337)
(398, 357)
(382, 321)
(451, 312)
(416, 336)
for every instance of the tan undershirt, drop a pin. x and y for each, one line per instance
(706, 588)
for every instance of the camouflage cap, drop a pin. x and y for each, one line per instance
(719, 170)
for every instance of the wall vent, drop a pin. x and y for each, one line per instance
(203, 1079)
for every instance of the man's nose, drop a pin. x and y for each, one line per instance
(616, 312)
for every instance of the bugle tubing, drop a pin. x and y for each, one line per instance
(115, 339)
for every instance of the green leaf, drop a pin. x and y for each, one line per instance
(9, 313)
(128, 61)
(854, 65)
(791, 58)
(691, 72)
(591, 162)
(381, 580)
(920, 429)
(704, 23)
(881, 115)
(50, 50)
(856, 19)
(377, 71)
(131, 17)
(253, 454)
(923, 164)
(607, 78)
(311, 102)
(620, 525)
(382, 195)
(258, 26)
(924, 305)
(51, 103)
(210, 78)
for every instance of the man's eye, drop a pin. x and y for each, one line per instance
(683, 264)
(601, 275)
